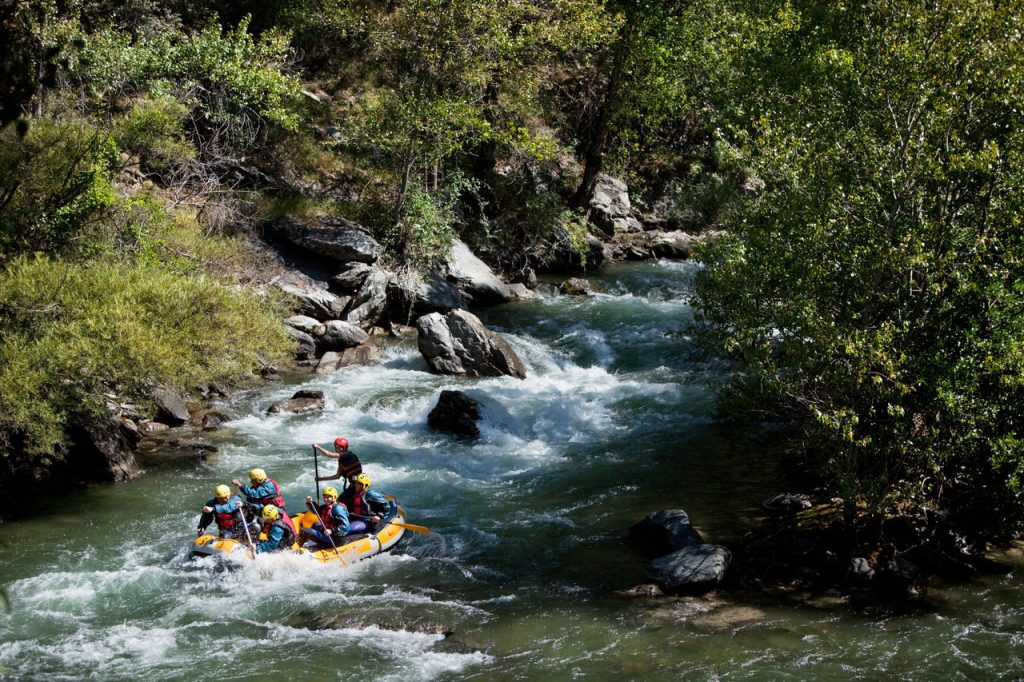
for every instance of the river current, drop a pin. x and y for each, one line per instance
(519, 579)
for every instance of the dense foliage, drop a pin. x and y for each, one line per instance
(873, 291)
(869, 286)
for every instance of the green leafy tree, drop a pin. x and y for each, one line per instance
(873, 291)
(55, 187)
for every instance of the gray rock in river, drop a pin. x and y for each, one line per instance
(339, 335)
(692, 570)
(99, 449)
(371, 300)
(475, 280)
(300, 403)
(363, 356)
(170, 407)
(305, 324)
(664, 531)
(455, 413)
(312, 296)
(306, 344)
(459, 343)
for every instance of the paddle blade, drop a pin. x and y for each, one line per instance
(412, 527)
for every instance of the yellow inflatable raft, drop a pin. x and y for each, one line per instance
(350, 549)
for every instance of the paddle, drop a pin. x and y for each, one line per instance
(313, 509)
(248, 535)
(316, 467)
(400, 524)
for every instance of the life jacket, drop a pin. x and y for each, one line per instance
(356, 503)
(349, 465)
(285, 522)
(274, 499)
(325, 515)
(226, 522)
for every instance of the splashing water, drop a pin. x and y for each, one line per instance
(518, 580)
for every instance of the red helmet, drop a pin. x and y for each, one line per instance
(341, 443)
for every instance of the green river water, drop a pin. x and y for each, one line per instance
(519, 579)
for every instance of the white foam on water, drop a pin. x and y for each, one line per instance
(120, 651)
(410, 652)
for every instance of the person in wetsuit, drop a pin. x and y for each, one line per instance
(333, 524)
(365, 506)
(349, 465)
(226, 510)
(279, 529)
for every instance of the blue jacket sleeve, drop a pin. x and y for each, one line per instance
(377, 502)
(339, 514)
(274, 537)
(254, 494)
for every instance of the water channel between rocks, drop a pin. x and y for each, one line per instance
(518, 580)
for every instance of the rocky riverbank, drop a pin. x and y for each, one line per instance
(348, 296)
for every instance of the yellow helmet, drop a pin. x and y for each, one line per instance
(222, 492)
(331, 491)
(258, 475)
(364, 479)
(270, 513)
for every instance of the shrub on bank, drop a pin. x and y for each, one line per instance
(73, 334)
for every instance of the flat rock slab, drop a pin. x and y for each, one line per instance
(693, 570)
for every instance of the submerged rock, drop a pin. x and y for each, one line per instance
(302, 402)
(576, 286)
(455, 413)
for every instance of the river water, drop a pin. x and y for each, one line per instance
(519, 579)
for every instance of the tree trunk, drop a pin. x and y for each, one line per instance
(407, 166)
(599, 132)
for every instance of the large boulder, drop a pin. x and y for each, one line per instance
(372, 299)
(312, 296)
(339, 335)
(170, 407)
(413, 295)
(364, 355)
(306, 344)
(455, 413)
(562, 254)
(474, 278)
(610, 208)
(351, 276)
(100, 449)
(305, 324)
(664, 531)
(300, 403)
(692, 570)
(329, 236)
(458, 343)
